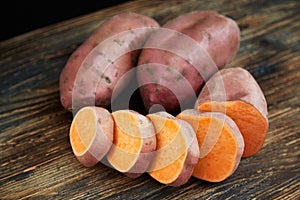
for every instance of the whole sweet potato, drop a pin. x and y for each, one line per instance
(92, 71)
(236, 93)
(201, 43)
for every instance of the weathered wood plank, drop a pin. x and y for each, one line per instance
(36, 159)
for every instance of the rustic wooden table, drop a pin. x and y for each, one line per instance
(37, 161)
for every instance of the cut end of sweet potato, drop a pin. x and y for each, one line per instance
(134, 140)
(91, 134)
(252, 124)
(221, 143)
(83, 130)
(177, 150)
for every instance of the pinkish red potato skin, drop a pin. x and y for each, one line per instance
(193, 150)
(102, 140)
(113, 26)
(238, 84)
(191, 158)
(215, 33)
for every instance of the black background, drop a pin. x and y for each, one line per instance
(20, 16)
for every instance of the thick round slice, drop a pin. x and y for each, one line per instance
(201, 43)
(92, 71)
(236, 93)
(134, 142)
(91, 134)
(220, 141)
(177, 150)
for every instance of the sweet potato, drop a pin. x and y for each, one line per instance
(134, 142)
(177, 150)
(91, 134)
(92, 71)
(235, 92)
(189, 50)
(220, 141)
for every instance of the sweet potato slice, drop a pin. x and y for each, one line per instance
(220, 141)
(134, 142)
(91, 134)
(251, 123)
(236, 93)
(177, 150)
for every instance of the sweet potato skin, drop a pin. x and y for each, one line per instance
(192, 150)
(101, 92)
(192, 156)
(101, 142)
(234, 84)
(217, 35)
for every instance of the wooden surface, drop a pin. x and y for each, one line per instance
(36, 158)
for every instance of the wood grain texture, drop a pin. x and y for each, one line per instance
(36, 158)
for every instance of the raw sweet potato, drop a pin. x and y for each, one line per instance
(92, 71)
(91, 134)
(134, 142)
(177, 150)
(201, 43)
(220, 141)
(235, 92)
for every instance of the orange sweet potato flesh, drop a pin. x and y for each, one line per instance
(177, 150)
(134, 142)
(91, 134)
(250, 121)
(220, 142)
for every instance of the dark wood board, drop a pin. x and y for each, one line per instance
(36, 158)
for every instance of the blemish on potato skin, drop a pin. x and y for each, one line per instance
(107, 79)
(66, 80)
(146, 62)
(131, 31)
(207, 35)
(98, 52)
(150, 71)
(74, 56)
(116, 74)
(110, 61)
(179, 77)
(118, 42)
(95, 44)
(168, 68)
(86, 65)
(82, 91)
